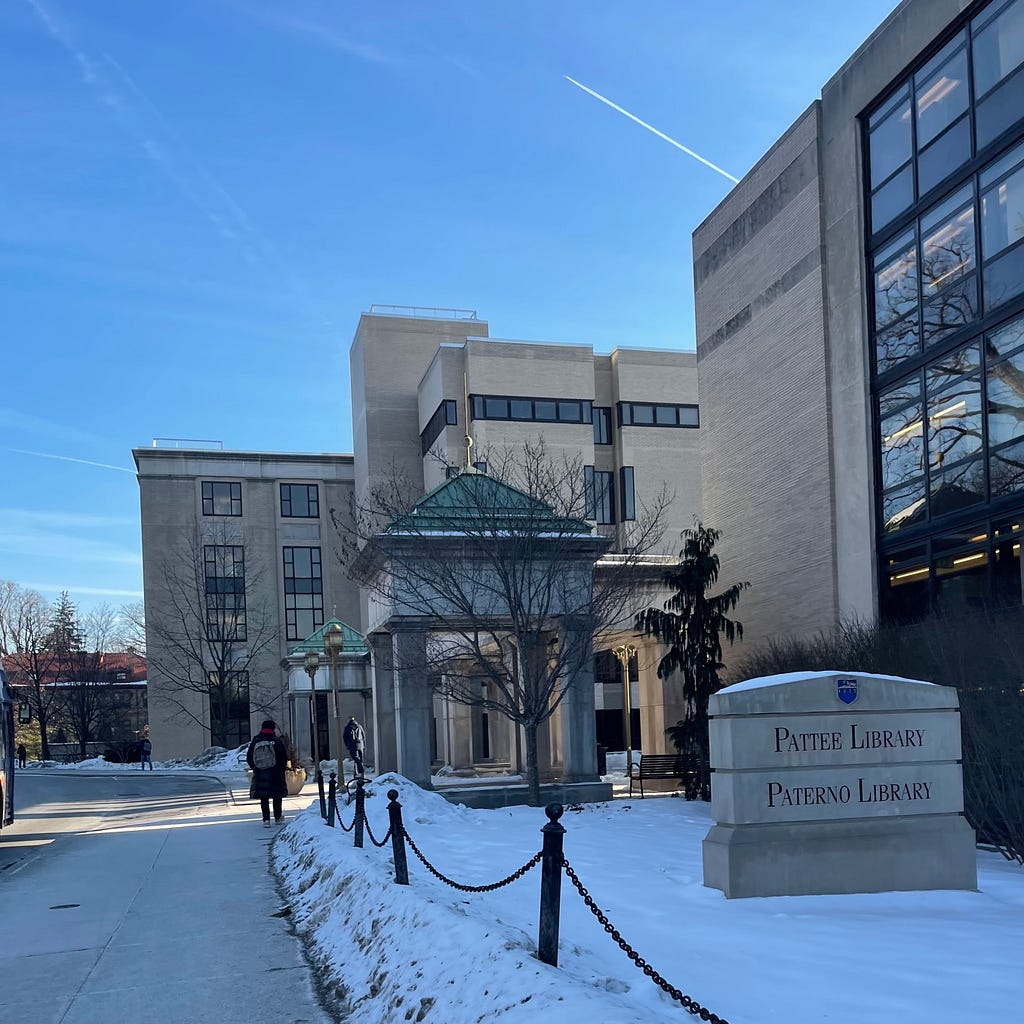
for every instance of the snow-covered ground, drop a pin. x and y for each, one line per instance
(214, 759)
(427, 952)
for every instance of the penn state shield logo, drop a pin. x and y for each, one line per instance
(846, 690)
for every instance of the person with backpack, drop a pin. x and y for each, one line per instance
(145, 751)
(267, 758)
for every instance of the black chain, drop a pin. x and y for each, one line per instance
(690, 1004)
(369, 832)
(344, 827)
(515, 876)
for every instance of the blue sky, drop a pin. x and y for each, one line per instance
(199, 197)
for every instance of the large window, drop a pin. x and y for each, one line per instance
(600, 495)
(300, 501)
(602, 425)
(229, 718)
(222, 498)
(224, 584)
(927, 128)
(945, 214)
(541, 410)
(303, 592)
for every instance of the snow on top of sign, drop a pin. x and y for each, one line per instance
(798, 677)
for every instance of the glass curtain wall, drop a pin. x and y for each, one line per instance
(945, 211)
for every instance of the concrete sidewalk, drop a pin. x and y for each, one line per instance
(168, 918)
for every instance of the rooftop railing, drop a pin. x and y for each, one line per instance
(427, 312)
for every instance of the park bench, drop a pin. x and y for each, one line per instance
(663, 766)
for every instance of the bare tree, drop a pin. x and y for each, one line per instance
(131, 628)
(210, 630)
(31, 660)
(502, 565)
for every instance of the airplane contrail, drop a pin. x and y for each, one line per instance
(67, 458)
(651, 128)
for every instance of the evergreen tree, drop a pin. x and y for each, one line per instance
(65, 635)
(692, 623)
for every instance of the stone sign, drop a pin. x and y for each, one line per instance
(831, 782)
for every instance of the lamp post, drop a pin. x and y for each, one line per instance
(311, 663)
(624, 653)
(334, 642)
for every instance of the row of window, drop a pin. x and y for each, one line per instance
(224, 498)
(646, 414)
(927, 283)
(559, 410)
(530, 410)
(973, 567)
(961, 100)
(224, 573)
(951, 435)
(599, 493)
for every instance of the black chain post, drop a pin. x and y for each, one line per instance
(550, 886)
(320, 788)
(360, 796)
(398, 838)
(332, 800)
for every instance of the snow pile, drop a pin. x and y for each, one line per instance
(428, 952)
(213, 759)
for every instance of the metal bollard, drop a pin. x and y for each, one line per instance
(550, 886)
(332, 800)
(398, 838)
(360, 797)
(320, 789)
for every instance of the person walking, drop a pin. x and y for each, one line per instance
(354, 738)
(267, 758)
(22, 755)
(145, 752)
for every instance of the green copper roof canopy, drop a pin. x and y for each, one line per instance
(475, 503)
(355, 642)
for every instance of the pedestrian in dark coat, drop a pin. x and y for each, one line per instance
(22, 755)
(267, 758)
(354, 739)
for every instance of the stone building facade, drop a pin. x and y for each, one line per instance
(420, 384)
(859, 300)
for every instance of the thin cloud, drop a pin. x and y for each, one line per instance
(651, 128)
(322, 34)
(68, 458)
(62, 520)
(26, 423)
(53, 588)
(146, 125)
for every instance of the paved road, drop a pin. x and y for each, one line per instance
(53, 806)
(128, 897)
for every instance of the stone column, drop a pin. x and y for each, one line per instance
(383, 686)
(413, 704)
(579, 732)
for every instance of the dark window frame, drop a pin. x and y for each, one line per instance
(602, 420)
(287, 499)
(563, 411)
(599, 493)
(445, 415)
(627, 412)
(297, 588)
(627, 493)
(222, 596)
(208, 491)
